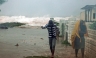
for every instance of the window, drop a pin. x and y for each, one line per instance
(94, 15)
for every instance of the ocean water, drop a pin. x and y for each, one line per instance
(33, 21)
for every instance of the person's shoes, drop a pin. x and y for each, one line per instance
(52, 56)
(76, 57)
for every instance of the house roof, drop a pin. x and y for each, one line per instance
(89, 7)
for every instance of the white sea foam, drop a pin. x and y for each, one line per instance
(33, 21)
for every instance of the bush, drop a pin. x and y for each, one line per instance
(37, 57)
(11, 24)
(57, 24)
(66, 43)
(93, 26)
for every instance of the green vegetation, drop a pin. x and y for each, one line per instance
(66, 43)
(2, 1)
(93, 26)
(11, 24)
(38, 57)
(57, 24)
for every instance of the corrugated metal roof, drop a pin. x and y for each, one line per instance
(89, 7)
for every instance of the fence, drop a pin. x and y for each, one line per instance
(90, 48)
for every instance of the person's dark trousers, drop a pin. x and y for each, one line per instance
(52, 43)
(82, 51)
(76, 52)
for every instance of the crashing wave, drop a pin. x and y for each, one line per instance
(32, 21)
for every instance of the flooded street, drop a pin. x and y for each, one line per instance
(71, 22)
(31, 42)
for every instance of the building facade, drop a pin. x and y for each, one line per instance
(89, 13)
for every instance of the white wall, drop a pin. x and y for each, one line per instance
(93, 11)
(60, 26)
(71, 24)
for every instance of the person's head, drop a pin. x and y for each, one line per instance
(50, 22)
(82, 22)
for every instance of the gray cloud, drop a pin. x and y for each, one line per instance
(44, 7)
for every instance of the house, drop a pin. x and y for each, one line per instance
(89, 13)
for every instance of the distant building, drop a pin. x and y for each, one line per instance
(89, 15)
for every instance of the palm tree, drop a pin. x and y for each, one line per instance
(1, 2)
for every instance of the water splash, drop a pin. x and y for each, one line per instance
(33, 21)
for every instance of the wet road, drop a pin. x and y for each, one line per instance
(31, 41)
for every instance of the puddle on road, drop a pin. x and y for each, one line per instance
(37, 57)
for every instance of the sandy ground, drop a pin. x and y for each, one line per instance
(32, 41)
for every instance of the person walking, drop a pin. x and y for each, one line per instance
(77, 37)
(51, 27)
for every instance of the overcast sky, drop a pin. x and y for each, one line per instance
(53, 8)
